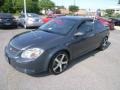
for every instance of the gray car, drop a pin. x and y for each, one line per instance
(31, 20)
(55, 44)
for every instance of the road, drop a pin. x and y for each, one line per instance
(98, 70)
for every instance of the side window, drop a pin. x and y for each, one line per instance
(86, 27)
(99, 26)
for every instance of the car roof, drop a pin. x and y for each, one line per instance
(77, 18)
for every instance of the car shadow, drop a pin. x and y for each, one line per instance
(10, 28)
(84, 57)
(74, 62)
(18, 28)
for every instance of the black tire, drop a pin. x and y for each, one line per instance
(54, 67)
(104, 44)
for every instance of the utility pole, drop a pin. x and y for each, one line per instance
(25, 9)
(74, 2)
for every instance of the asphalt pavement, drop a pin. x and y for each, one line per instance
(97, 70)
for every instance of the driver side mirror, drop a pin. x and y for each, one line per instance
(78, 34)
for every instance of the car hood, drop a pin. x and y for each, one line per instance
(34, 39)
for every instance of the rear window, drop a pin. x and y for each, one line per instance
(99, 26)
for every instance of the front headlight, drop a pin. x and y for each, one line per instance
(32, 53)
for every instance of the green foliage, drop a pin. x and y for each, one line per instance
(46, 4)
(73, 8)
(117, 15)
(109, 12)
(1, 2)
(16, 6)
(32, 6)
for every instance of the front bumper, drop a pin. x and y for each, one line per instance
(12, 24)
(37, 66)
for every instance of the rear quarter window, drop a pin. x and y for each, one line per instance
(99, 26)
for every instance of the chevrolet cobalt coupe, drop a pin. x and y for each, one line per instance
(54, 44)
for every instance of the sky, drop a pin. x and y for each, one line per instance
(86, 4)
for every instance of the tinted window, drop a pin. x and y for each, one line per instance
(58, 25)
(98, 26)
(86, 27)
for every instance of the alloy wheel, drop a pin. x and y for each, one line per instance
(60, 63)
(105, 42)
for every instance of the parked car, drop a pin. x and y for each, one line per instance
(7, 20)
(55, 44)
(47, 19)
(50, 17)
(116, 21)
(31, 20)
(107, 22)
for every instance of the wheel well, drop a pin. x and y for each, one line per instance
(66, 52)
(106, 36)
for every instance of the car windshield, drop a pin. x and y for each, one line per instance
(58, 26)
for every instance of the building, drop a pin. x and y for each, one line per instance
(81, 12)
(64, 11)
(115, 8)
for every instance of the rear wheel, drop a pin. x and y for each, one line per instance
(104, 44)
(59, 63)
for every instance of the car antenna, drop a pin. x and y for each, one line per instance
(94, 17)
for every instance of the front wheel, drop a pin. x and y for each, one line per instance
(59, 63)
(104, 44)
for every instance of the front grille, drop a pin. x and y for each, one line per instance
(7, 20)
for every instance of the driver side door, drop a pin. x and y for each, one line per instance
(85, 42)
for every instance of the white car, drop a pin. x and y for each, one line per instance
(32, 20)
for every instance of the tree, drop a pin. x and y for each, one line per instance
(14, 6)
(109, 12)
(6, 6)
(1, 2)
(73, 8)
(46, 4)
(32, 6)
(118, 1)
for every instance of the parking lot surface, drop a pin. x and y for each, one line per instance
(97, 70)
